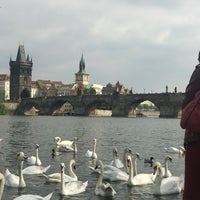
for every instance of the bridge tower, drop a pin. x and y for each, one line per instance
(20, 75)
(81, 76)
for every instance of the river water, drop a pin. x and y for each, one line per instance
(147, 136)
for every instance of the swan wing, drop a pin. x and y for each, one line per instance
(143, 179)
(88, 153)
(171, 185)
(75, 187)
(11, 180)
(115, 175)
(105, 189)
(32, 160)
(35, 170)
(33, 197)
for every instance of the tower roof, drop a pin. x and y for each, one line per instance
(82, 66)
(21, 56)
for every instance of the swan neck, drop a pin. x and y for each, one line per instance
(131, 172)
(21, 177)
(166, 167)
(37, 157)
(2, 181)
(71, 172)
(62, 180)
(100, 180)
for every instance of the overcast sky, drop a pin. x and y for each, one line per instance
(143, 44)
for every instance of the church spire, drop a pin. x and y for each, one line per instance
(82, 65)
(21, 56)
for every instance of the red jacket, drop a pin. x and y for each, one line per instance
(192, 87)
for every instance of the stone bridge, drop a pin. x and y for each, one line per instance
(169, 104)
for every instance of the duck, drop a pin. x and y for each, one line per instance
(35, 160)
(166, 171)
(149, 161)
(2, 182)
(138, 179)
(73, 187)
(63, 143)
(13, 180)
(116, 161)
(56, 177)
(180, 150)
(92, 154)
(103, 189)
(166, 186)
(33, 197)
(55, 153)
(31, 170)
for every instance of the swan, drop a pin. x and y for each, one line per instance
(92, 154)
(127, 152)
(114, 174)
(138, 179)
(73, 187)
(56, 177)
(166, 186)
(103, 189)
(33, 197)
(2, 182)
(63, 144)
(110, 167)
(13, 180)
(68, 147)
(180, 150)
(149, 161)
(166, 171)
(35, 169)
(35, 160)
(116, 161)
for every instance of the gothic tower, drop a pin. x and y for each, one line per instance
(20, 75)
(81, 75)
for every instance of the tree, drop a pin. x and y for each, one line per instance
(2, 106)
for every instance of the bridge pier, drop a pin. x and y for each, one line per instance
(169, 111)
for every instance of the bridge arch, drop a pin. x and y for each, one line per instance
(101, 105)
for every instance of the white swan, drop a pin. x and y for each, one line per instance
(2, 182)
(114, 174)
(68, 147)
(56, 177)
(166, 186)
(35, 160)
(103, 189)
(33, 197)
(174, 150)
(35, 169)
(116, 161)
(92, 154)
(166, 171)
(13, 180)
(138, 179)
(65, 144)
(73, 187)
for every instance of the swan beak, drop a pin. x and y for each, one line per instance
(128, 163)
(155, 170)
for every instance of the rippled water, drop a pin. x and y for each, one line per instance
(148, 136)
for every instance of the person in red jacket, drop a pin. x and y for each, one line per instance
(192, 144)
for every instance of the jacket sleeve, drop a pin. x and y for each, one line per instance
(192, 87)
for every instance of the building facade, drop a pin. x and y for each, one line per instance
(20, 75)
(5, 85)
